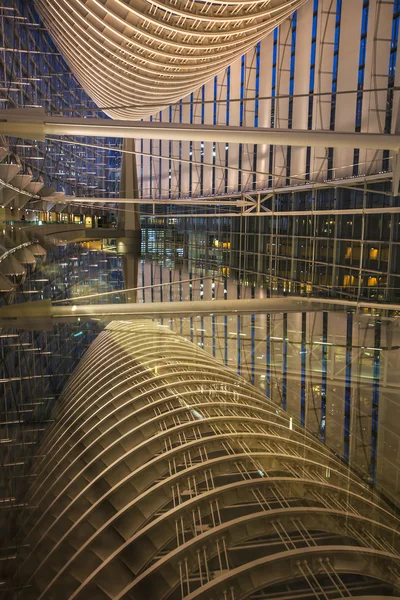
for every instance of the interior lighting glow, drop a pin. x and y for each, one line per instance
(170, 56)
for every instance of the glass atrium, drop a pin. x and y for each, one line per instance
(103, 238)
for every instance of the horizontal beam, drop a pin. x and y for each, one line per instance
(236, 201)
(30, 315)
(242, 198)
(35, 124)
(278, 213)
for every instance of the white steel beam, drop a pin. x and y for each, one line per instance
(34, 124)
(26, 314)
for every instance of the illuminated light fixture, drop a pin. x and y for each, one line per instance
(134, 58)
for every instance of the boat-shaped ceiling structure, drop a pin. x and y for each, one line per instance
(135, 57)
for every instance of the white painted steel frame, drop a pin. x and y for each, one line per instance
(166, 475)
(135, 57)
(35, 124)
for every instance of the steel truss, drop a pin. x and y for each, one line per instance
(167, 475)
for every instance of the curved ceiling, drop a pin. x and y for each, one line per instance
(134, 57)
(166, 476)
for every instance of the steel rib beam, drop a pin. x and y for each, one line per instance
(153, 465)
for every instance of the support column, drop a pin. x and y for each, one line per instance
(129, 217)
